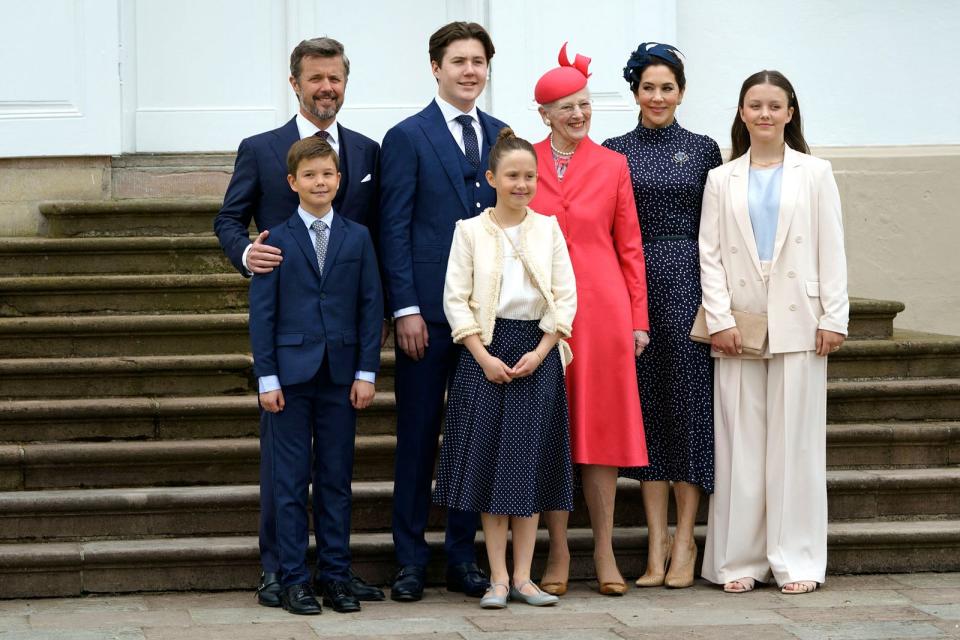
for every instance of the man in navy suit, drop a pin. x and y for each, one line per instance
(259, 190)
(431, 171)
(315, 325)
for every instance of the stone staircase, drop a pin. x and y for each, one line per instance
(128, 422)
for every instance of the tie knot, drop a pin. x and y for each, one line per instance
(323, 135)
(318, 226)
(465, 121)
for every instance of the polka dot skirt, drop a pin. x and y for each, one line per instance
(506, 447)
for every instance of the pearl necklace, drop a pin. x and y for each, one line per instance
(565, 154)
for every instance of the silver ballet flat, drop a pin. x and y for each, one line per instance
(540, 599)
(491, 600)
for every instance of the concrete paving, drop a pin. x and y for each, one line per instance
(877, 607)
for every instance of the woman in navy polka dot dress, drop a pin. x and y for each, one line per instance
(510, 298)
(668, 167)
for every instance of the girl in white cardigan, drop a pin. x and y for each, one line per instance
(510, 298)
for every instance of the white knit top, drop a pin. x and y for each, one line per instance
(519, 297)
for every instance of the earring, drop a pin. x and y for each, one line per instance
(546, 122)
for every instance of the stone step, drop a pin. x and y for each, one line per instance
(116, 376)
(163, 418)
(134, 217)
(152, 460)
(124, 335)
(89, 514)
(122, 294)
(901, 399)
(29, 570)
(871, 318)
(890, 445)
(92, 256)
(25, 378)
(905, 354)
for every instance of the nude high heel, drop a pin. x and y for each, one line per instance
(656, 579)
(680, 576)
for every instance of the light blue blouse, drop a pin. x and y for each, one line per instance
(763, 199)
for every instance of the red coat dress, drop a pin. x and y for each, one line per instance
(597, 214)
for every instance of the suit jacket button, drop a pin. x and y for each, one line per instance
(323, 296)
(791, 274)
(793, 307)
(733, 249)
(798, 239)
(565, 203)
(478, 205)
(478, 185)
(743, 282)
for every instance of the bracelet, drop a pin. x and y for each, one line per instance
(538, 355)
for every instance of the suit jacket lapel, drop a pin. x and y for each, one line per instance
(283, 140)
(337, 235)
(438, 134)
(739, 190)
(789, 190)
(302, 236)
(348, 159)
(490, 133)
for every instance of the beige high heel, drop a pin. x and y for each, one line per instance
(650, 579)
(680, 576)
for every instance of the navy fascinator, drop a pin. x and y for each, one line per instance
(642, 58)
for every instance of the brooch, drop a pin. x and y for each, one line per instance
(680, 157)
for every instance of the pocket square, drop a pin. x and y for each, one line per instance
(367, 178)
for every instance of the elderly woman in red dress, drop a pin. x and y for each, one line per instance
(587, 187)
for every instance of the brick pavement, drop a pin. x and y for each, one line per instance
(925, 605)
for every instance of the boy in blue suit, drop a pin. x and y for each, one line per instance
(315, 325)
(431, 175)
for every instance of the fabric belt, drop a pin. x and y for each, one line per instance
(688, 236)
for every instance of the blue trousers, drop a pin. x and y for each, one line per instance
(420, 387)
(311, 439)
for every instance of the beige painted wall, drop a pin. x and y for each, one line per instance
(900, 209)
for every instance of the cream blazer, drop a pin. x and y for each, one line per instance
(807, 288)
(471, 291)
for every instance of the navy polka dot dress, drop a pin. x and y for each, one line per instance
(506, 447)
(669, 168)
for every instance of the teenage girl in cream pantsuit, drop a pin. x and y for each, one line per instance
(771, 241)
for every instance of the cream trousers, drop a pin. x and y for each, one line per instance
(768, 512)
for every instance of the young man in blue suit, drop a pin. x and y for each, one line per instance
(431, 169)
(315, 325)
(259, 191)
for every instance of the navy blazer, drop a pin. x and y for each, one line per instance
(298, 315)
(259, 190)
(422, 196)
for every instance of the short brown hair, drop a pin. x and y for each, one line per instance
(307, 149)
(449, 33)
(320, 48)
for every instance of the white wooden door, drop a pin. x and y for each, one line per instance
(60, 78)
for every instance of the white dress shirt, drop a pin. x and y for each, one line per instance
(272, 383)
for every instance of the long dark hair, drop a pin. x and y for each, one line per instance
(792, 133)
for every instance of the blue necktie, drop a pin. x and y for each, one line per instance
(323, 135)
(471, 146)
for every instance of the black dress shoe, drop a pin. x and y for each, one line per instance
(408, 584)
(467, 578)
(338, 596)
(298, 599)
(364, 592)
(268, 592)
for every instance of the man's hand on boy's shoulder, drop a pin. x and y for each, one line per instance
(263, 258)
(361, 394)
(272, 401)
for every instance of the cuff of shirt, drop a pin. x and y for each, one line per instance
(406, 311)
(243, 259)
(269, 383)
(366, 376)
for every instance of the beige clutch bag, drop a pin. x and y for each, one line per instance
(753, 330)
